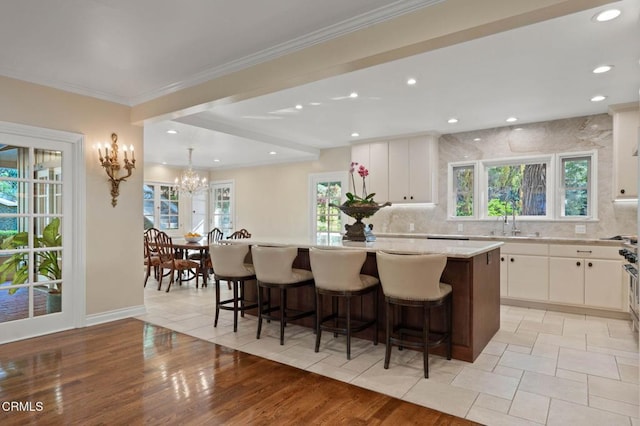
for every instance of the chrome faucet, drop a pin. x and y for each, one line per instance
(514, 229)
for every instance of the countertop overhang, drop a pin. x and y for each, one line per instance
(509, 238)
(451, 248)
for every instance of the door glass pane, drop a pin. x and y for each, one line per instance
(328, 219)
(31, 258)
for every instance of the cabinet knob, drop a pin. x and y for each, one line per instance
(412, 197)
(578, 263)
(512, 259)
(622, 191)
(502, 259)
(590, 264)
(404, 198)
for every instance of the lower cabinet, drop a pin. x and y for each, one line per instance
(528, 277)
(583, 275)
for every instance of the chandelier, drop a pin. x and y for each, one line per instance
(189, 183)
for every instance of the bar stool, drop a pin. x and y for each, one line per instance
(228, 265)
(274, 270)
(414, 281)
(337, 274)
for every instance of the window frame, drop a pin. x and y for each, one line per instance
(555, 191)
(314, 179)
(156, 209)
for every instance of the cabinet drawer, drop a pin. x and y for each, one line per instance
(584, 251)
(525, 248)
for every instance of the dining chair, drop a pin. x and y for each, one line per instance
(213, 236)
(151, 259)
(168, 260)
(243, 233)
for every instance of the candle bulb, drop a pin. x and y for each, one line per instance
(100, 152)
(133, 156)
(124, 149)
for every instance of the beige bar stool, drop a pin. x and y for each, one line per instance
(228, 262)
(414, 281)
(337, 275)
(274, 270)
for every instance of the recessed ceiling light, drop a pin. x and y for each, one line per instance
(411, 81)
(164, 163)
(216, 160)
(272, 153)
(172, 131)
(602, 68)
(477, 139)
(511, 119)
(353, 94)
(607, 15)
(598, 98)
(452, 120)
(314, 103)
(355, 134)
(298, 106)
(518, 128)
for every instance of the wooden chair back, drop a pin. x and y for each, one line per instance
(243, 233)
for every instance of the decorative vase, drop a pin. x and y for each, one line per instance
(359, 211)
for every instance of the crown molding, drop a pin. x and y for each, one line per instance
(385, 13)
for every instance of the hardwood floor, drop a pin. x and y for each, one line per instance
(132, 372)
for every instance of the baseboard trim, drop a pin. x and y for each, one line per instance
(115, 315)
(580, 310)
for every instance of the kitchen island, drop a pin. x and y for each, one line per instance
(472, 269)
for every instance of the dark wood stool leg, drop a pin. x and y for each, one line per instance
(450, 324)
(283, 302)
(260, 311)
(235, 305)
(387, 353)
(318, 319)
(215, 322)
(425, 337)
(334, 312)
(348, 306)
(242, 298)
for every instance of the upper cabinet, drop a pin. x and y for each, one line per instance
(374, 157)
(401, 170)
(626, 121)
(413, 168)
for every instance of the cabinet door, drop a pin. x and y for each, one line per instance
(504, 275)
(603, 283)
(529, 277)
(566, 280)
(625, 144)
(399, 171)
(378, 180)
(420, 170)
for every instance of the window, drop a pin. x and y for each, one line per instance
(161, 207)
(463, 189)
(525, 187)
(517, 188)
(327, 221)
(575, 185)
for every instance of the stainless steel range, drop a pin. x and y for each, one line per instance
(630, 253)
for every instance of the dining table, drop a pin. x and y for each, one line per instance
(183, 247)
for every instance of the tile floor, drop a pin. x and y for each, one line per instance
(542, 367)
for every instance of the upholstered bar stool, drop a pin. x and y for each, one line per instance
(414, 281)
(228, 265)
(274, 270)
(337, 274)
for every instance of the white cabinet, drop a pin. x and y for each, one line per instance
(524, 271)
(413, 169)
(374, 156)
(586, 275)
(626, 122)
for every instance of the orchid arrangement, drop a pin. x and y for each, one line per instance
(353, 198)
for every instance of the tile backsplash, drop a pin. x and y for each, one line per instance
(567, 135)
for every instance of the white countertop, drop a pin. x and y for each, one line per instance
(509, 238)
(451, 248)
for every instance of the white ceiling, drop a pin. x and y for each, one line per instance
(132, 51)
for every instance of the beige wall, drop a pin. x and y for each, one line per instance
(113, 243)
(273, 200)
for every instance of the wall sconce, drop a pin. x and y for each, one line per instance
(112, 165)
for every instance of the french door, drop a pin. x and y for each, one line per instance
(222, 207)
(325, 190)
(36, 211)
